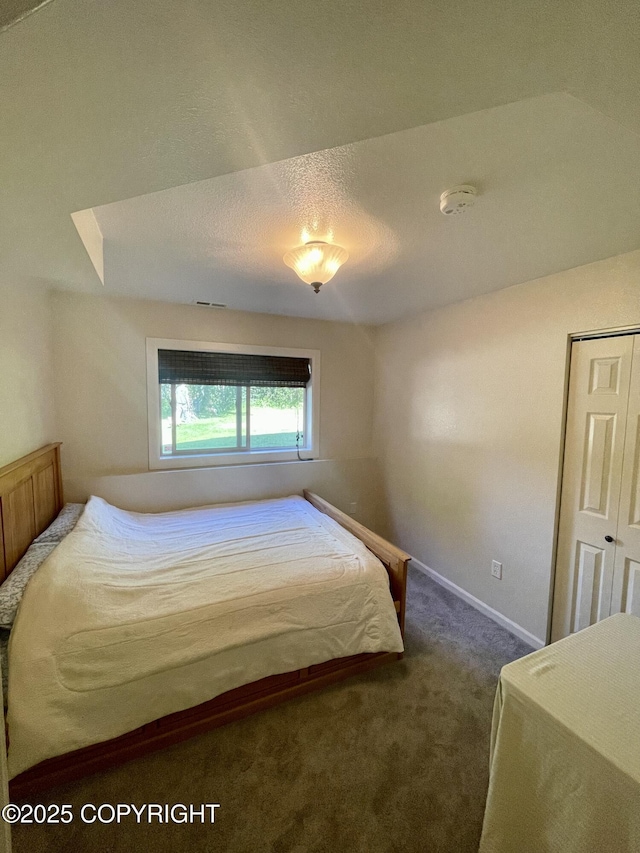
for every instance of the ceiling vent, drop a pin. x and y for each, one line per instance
(457, 199)
(210, 304)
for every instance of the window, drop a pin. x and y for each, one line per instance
(225, 403)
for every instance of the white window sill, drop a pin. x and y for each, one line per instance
(213, 460)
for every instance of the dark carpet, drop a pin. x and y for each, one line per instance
(393, 761)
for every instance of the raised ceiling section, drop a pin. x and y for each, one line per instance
(104, 102)
(553, 175)
(13, 11)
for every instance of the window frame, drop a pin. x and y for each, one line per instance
(309, 449)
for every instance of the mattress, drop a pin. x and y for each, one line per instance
(136, 616)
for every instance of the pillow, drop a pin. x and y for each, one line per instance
(63, 524)
(13, 588)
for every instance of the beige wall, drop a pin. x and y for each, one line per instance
(102, 404)
(26, 398)
(469, 408)
(342, 482)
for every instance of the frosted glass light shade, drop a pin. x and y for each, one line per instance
(316, 262)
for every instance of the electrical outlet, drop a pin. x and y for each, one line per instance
(496, 570)
(353, 507)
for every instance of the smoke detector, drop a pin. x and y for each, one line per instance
(457, 199)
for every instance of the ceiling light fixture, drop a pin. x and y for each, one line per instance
(316, 262)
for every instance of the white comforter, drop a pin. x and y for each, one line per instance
(134, 616)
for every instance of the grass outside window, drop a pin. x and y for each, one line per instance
(217, 418)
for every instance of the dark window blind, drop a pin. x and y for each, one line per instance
(186, 367)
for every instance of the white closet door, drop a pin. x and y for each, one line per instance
(592, 476)
(626, 575)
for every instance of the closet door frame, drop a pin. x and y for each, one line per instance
(571, 338)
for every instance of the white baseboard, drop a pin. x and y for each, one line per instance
(497, 617)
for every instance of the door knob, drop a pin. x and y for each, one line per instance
(608, 539)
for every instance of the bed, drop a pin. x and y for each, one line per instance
(31, 496)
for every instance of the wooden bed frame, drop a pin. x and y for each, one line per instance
(31, 497)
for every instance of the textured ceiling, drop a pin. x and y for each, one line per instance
(102, 102)
(551, 172)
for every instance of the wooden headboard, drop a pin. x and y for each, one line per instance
(30, 498)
